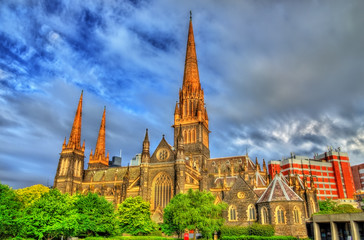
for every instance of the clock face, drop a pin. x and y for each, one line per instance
(162, 154)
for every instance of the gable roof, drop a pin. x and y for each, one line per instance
(278, 190)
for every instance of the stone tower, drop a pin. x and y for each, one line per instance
(190, 114)
(70, 166)
(98, 159)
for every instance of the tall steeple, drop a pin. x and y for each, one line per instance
(190, 115)
(191, 79)
(98, 159)
(74, 141)
(70, 165)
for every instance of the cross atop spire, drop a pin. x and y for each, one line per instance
(75, 136)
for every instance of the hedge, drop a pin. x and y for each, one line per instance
(128, 238)
(251, 237)
(255, 229)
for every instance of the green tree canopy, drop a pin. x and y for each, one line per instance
(329, 206)
(95, 215)
(9, 212)
(134, 216)
(31, 194)
(194, 210)
(53, 215)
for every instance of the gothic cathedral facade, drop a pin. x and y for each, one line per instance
(286, 203)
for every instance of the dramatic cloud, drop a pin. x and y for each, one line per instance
(279, 77)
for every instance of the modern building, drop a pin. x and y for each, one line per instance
(135, 161)
(358, 176)
(330, 171)
(338, 226)
(115, 162)
(251, 195)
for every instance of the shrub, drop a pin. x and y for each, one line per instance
(346, 208)
(233, 231)
(251, 237)
(254, 229)
(261, 230)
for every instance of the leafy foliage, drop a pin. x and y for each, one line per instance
(330, 207)
(53, 215)
(194, 210)
(129, 238)
(134, 216)
(31, 194)
(327, 205)
(9, 212)
(255, 229)
(95, 215)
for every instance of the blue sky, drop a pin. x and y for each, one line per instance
(279, 77)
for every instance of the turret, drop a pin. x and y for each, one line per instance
(146, 147)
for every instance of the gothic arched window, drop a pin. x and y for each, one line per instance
(232, 213)
(251, 213)
(280, 219)
(162, 188)
(296, 215)
(264, 214)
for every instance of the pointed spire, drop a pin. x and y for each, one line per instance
(64, 143)
(75, 136)
(100, 145)
(146, 146)
(257, 166)
(146, 138)
(191, 79)
(99, 155)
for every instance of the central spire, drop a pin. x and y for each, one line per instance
(190, 116)
(191, 79)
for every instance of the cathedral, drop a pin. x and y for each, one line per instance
(252, 195)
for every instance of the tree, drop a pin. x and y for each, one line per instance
(194, 210)
(31, 194)
(95, 215)
(330, 207)
(9, 212)
(134, 216)
(53, 215)
(327, 205)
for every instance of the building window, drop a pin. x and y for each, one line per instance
(232, 213)
(296, 215)
(280, 219)
(251, 213)
(264, 214)
(162, 190)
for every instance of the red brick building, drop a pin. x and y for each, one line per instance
(330, 171)
(358, 176)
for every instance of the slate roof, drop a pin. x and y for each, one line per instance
(278, 190)
(259, 180)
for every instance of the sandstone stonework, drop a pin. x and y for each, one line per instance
(173, 169)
